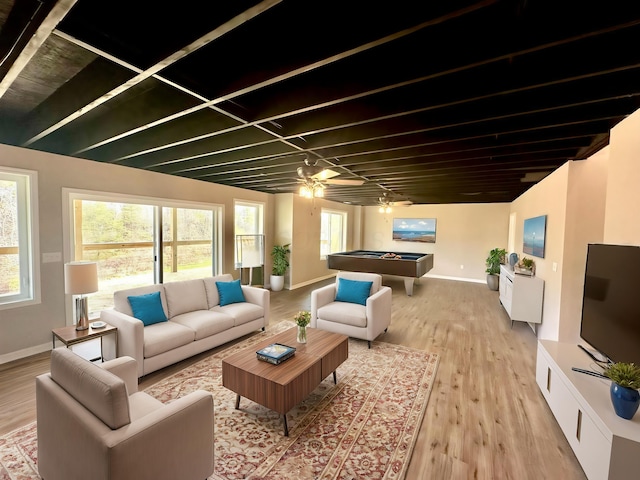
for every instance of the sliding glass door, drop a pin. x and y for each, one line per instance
(141, 243)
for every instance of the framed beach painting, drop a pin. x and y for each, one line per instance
(414, 230)
(534, 236)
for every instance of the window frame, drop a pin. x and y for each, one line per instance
(70, 195)
(259, 206)
(28, 238)
(344, 223)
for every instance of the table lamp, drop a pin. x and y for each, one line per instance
(81, 278)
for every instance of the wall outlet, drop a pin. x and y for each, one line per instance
(554, 266)
(52, 257)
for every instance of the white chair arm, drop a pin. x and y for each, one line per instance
(130, 336)
(378, 310)
(319, 298)
(125, 368)
(258, 296)
(171, 439)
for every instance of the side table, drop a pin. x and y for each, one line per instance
(70, 336)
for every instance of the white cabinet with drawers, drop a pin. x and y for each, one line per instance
(521, 296)
(607, 446)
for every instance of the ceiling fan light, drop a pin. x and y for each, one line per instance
(305, 191)
(318, 190)
(387, 210)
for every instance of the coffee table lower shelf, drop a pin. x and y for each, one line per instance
(282, 387)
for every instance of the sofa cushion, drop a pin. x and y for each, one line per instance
(230, 292)
(162, 337)
(121, 302)
(148, 308)
(205, 322)
(353, 291)
(241, 312)
(213, 297)
(185, 296)
(345, 313)
(99, 391)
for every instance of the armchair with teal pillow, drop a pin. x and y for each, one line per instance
(357, 305)
(353, 291)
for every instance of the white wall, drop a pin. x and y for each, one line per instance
(465, 233)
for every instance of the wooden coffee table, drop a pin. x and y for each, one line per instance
(281, 387)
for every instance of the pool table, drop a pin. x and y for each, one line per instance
(404, 264)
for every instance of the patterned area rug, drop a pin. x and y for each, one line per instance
(363, 427)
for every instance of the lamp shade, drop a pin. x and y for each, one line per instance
(80, 277)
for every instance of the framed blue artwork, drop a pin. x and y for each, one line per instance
(534, 236)
(414, 230)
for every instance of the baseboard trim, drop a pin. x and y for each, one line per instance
(459, 279)
(309, 282)
(27, 352)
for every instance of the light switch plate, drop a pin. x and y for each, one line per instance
(51, 257)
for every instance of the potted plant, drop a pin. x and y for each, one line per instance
(495, 258)
(625, 382)
(279, 255)
(527, 264)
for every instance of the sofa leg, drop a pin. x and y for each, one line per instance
(263, 329)
(369, 342)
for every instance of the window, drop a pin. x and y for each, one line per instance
(248, 220)
(140, 242)
(19, 273)
(333, 232)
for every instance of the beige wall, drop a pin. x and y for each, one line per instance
(547, 197)
(297, 222)
(27, 330)
(586, 196)
(623, 187)
(590, 201)
(465, 233)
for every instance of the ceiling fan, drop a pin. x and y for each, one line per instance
(386, 201)
(314, 176)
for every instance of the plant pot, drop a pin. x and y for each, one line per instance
(625, 400)
(302, 335)
(277, 282)
(493, 282)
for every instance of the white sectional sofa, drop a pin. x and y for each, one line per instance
(196, 321)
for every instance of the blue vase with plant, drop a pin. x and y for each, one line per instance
(625, 382)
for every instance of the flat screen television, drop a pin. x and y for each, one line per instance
(611, 301)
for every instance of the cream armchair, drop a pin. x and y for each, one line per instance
(336, 307)
(93, 423)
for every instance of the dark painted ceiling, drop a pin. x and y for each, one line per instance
(433, 102)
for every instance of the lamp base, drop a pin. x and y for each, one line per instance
(82, 313)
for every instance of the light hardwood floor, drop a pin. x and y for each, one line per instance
(486, 418)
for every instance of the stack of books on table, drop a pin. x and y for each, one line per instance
(275, 353)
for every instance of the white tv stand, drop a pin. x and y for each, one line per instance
(607, 446)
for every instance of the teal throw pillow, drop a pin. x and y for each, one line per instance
(230, 292)
(353, 291)
(148, 308)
